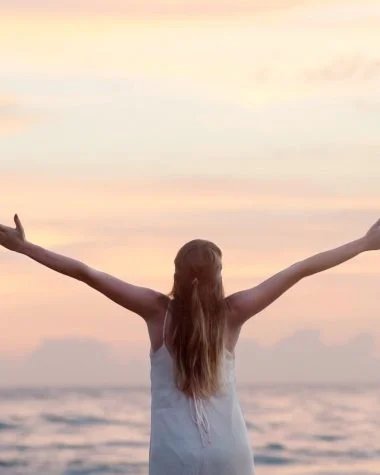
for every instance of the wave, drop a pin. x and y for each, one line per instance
(125, 443)
(261, 459)
(7, 426)
(80, 420)
(79, 468)
(329, 438)
(354, 454)
(11, 463)
(274, 446)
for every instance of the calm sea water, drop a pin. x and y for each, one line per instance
(293, 430)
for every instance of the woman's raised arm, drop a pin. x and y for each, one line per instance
(141, 300)
(247, 303)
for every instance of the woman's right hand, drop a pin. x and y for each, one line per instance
(12, 238)
(372, 237)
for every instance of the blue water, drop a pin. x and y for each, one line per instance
(298, 430)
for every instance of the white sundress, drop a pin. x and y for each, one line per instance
(194, 437)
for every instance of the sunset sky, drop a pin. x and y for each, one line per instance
(129, 128)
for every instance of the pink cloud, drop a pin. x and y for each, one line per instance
(153, 7)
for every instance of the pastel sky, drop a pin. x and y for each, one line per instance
(128, 128)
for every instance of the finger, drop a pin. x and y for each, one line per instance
(19, 226)
(18, 222)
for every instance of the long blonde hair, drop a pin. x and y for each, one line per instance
(198, 318)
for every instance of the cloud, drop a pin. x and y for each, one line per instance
(302, 357)
(167, 211)
(152, 132)
(99, 221)
(72, 361)
(353, 69)
(163, 7)
(14, 116)
(253, 68)
(336, 14)
(180, 193)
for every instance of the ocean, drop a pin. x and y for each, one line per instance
(294, 429)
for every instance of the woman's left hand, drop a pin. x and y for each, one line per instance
(12, 238)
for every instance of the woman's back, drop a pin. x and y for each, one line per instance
(191, 436)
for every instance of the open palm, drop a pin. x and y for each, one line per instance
(12, 238)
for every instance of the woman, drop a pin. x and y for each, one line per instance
(197, 426)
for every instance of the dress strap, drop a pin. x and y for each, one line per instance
(163, 328)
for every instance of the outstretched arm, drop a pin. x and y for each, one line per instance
(247, 303)
(141, 300)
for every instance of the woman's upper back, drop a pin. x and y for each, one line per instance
(159, 330)
(162, 359)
